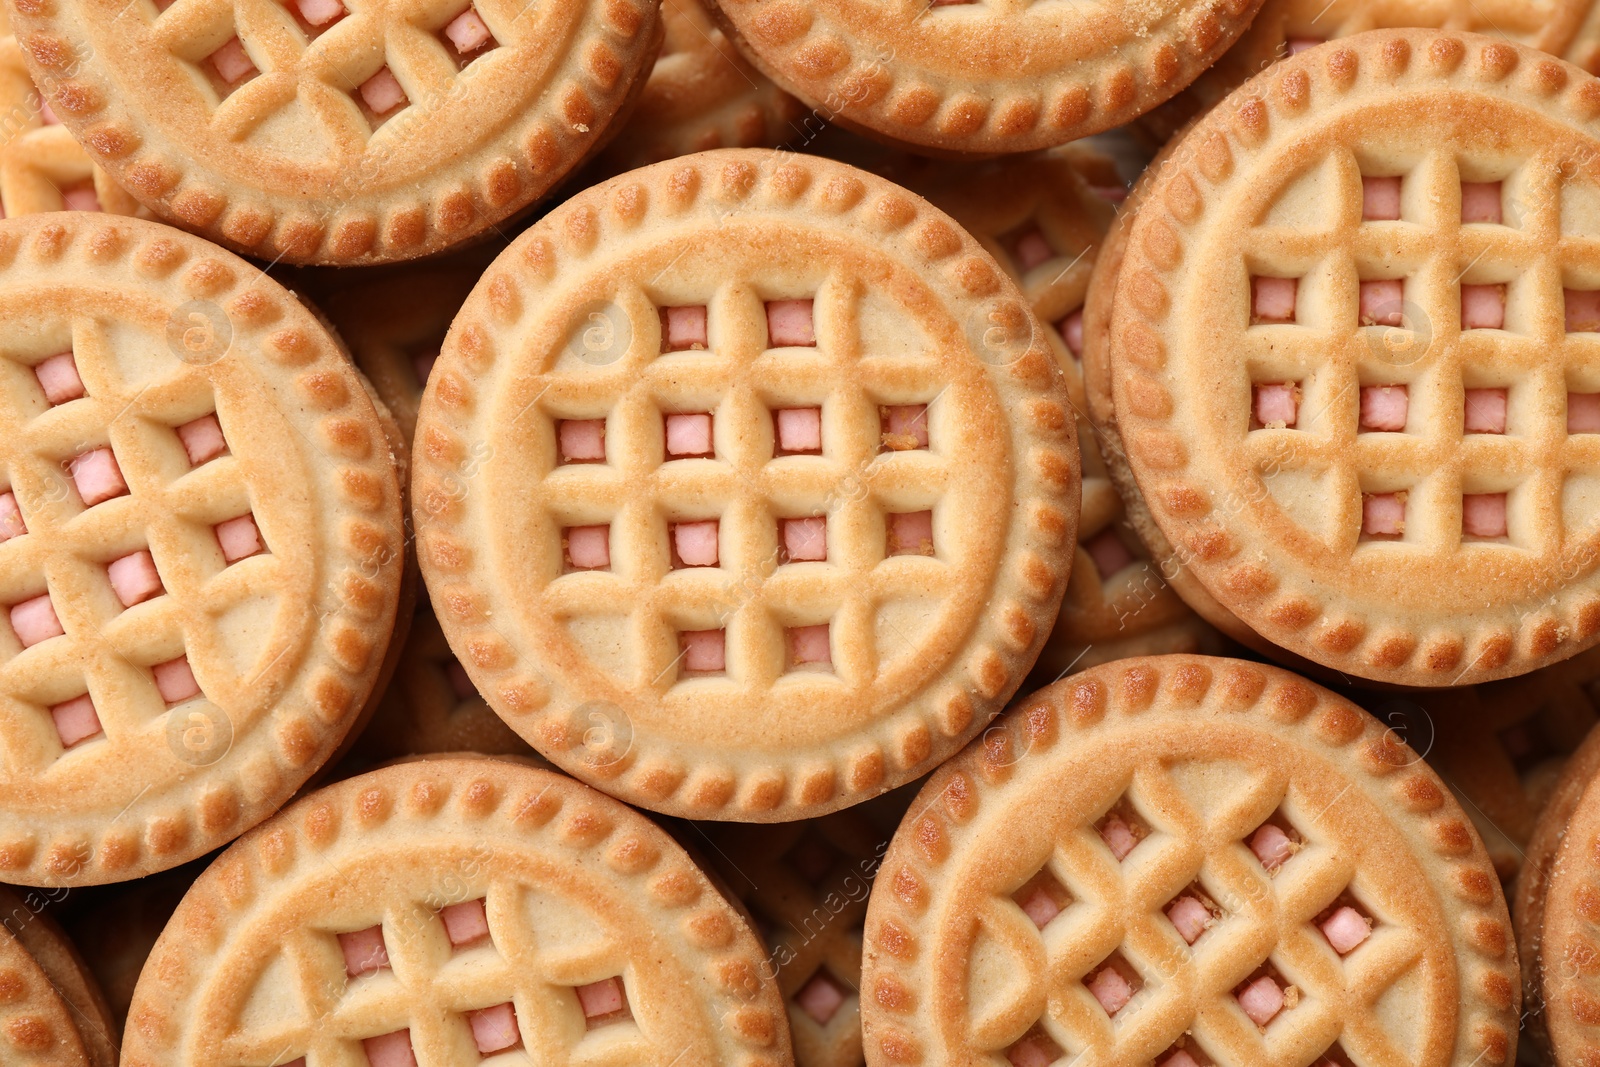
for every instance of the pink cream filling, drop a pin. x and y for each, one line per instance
(76, 721)
(134, 578)
(1380, 199)
(789, 324)
(98, 477)
(58, 377)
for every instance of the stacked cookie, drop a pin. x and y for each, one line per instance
(713, 532)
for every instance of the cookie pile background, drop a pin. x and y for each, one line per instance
(861, 532)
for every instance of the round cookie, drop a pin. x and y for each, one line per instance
(24, 918)
(202, 553)
(1370, 465)
(1285, 27)
(702, 94)
(746, 486)
(1553, 909)
(1044, 219)
(971, 78)
(1187, 860)
(309, 132)
(451, 909)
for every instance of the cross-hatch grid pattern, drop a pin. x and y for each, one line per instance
(259, 62)
(1265, 919)
(1390, 302)
(426, 982)
(869, 480)
(171, 508)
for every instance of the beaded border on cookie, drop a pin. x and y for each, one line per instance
(1175, 204)
(1010, 630)
(550, 813)
(852, 81)
(587, 93)
(892, 978)
(362, 552)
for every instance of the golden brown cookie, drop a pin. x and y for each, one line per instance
(450, 910)
(970, 77)
(702, 94)
(312, 132)
(746, 486)
(1187, 860)
(1378, 458)
(22, 913)
(1284, 27)
(202, 547)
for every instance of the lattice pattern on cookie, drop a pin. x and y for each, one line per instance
(633, 449)
(129, 549)
(328, 131)
(1376, 336)
(1245, 918)
(1239, 877)
(469, 909)
(1448, 276)
(166, 633)
(735, 478)
(386, 992)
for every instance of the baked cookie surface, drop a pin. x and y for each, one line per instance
(1187, 860)
(445, 911)
(1365, 425)
(320, 132)
(202, 547)
(746, 486)
(978, 78)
